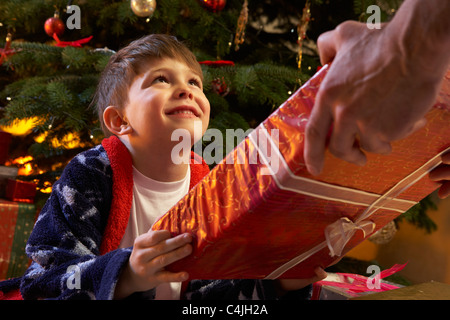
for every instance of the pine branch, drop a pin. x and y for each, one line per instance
(388, 8)
(418, 216)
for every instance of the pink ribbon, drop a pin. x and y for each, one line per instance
(355, 283)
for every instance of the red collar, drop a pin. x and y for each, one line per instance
(122, 190)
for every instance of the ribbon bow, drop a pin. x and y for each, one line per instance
(76, 43)
(7, 51)
(341, 231)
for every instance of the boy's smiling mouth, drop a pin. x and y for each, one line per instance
(183, 112)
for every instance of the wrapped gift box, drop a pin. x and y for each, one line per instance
(5, 141)
(344, 286)
(336, 292)
(6, 172)
(16, 222)
(260, 214)
(22, 191)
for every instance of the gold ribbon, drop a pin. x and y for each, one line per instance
(338, 233)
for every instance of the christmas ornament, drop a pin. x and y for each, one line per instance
(301, 31)
(6, 51)
(242, 22)
(143, 8)
(214, 5)
(385, 234)
(220, 87)
(54, 25)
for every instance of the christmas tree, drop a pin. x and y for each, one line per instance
(254, 54)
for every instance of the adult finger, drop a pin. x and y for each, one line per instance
(316, 133)
(444, 190)
(417, 126)
(326, 45)
(446, 158)
(344, 143)
(387, 135)
(442, 172)
(372, 143)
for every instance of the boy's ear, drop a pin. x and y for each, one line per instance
(115, 122)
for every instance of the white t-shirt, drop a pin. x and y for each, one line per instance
(152, 199)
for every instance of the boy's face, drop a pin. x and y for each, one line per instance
(167, 96)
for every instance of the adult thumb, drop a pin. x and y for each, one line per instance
(327, 46)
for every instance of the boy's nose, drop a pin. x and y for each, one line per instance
(184, 92)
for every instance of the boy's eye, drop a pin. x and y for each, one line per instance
(161, 79)
(195, 82)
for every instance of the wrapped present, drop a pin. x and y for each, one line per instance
(5, 141)
(22, 191)
(6, 172)
(260, 214)
(16, 222)
(344, 286)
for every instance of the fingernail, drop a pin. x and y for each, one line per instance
(187, 236)
(313, 170)
(361, 162)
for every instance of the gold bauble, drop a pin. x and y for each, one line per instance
(143, 8)
(385, 234)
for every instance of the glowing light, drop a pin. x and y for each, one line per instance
(69, 141)
(24, 163)
(47, 187)
(20, 127)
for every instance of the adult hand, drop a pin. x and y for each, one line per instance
(442, 174)
(370, 97)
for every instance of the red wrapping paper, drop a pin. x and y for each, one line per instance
(5, 141)
(261, 220)
(16, 222)
(22, 191)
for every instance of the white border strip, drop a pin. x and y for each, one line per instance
(312, 187)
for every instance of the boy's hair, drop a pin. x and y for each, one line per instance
(129, 62)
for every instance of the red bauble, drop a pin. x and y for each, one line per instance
(54, 25)
(220, 87)
(214, 5)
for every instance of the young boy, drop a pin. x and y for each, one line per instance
(92, 237)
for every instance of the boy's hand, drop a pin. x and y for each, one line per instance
(152, 252)
(442, 174)
(285, 285)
